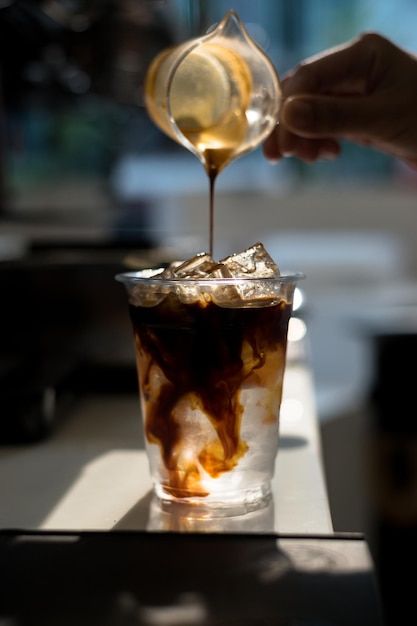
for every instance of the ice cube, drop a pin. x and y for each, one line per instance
(147, 295)
(220, 271)
(226, 294)
(191, 294)
(200, 266)
(254, 262)
(169, 271)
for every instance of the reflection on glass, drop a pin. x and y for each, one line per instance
(184, 518)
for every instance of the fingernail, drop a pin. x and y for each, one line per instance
(299, 115)
(328, 156)
(329, 152)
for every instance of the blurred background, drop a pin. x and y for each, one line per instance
(87, 181)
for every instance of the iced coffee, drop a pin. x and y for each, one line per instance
(210, 342)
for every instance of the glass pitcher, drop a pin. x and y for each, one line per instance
(217, 95)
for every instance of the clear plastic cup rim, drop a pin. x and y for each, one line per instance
(151, 277)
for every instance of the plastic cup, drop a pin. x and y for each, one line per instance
(210, 356)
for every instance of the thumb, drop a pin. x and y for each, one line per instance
(329, 116)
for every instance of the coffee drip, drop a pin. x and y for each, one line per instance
(217, 95)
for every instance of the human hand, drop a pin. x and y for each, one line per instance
(364, 91)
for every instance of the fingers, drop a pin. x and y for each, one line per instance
(282, 143)
(345, 69)
(297, 136)
(355, 91)
(311, 127)
(327, 116)
(311, 122)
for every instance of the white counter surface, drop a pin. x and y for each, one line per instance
(92, 473)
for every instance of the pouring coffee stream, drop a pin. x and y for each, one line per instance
(217, 95)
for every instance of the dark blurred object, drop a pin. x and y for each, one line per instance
(33, 37)
(64, 331)
(72, 46)
(35, 393)
(149, 579)
(38, 394)
(71, 75)
(393, 466)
